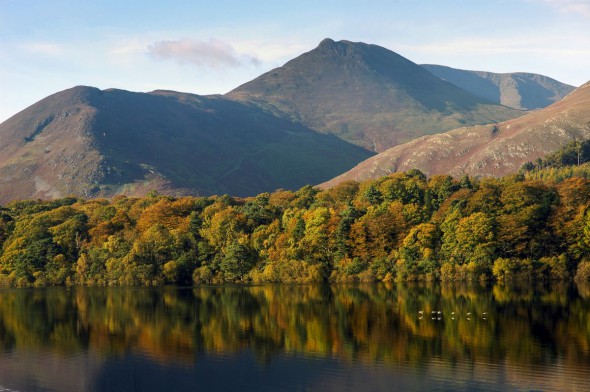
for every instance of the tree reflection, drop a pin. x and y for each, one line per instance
(409, 324)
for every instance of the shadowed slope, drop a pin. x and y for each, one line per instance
(88, 142)
(517, 90)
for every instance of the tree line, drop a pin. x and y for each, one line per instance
(401, 227)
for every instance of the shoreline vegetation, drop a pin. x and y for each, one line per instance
(534, 225)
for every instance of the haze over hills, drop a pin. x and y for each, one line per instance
(367, 95)
(488, 150)
(518, 90)
(88, 142)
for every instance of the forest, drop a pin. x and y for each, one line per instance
(403, 227)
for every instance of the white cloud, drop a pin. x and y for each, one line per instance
(580, 7)
(508, 45)
(44, 48)
(214, 53)
(565, 60)
(274, 51)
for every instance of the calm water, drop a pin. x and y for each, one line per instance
(301, 338)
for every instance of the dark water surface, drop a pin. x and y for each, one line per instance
(297, 338)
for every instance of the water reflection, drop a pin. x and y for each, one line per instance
(460, 337)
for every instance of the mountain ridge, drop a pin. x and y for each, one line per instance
(519, 90)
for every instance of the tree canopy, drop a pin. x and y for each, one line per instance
(404, 226)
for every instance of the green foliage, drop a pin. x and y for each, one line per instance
(403, 226)
(236, 262)
(574, 153)
(373, 195)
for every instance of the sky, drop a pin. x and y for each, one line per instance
(211, 47)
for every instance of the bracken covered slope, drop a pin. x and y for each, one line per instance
(489, 150)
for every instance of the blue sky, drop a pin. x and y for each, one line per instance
(207, 47)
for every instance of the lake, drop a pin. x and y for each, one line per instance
(379, 337)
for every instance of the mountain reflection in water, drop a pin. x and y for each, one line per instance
(289, 337)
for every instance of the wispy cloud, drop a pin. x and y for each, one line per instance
(502, 46)
(580, 7)
(44, 48)
(214, 53)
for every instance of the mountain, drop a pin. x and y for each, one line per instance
(88, 142)
(517, 90)
(367, 95)
(487, 150)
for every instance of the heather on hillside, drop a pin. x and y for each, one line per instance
(401, 227)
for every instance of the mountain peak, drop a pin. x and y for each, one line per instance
(338, 49)
(327, 43)
(335, 85)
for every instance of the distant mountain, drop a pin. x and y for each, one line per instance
(517, 90)
(88, 142)
(489, 150)
(367, 95)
